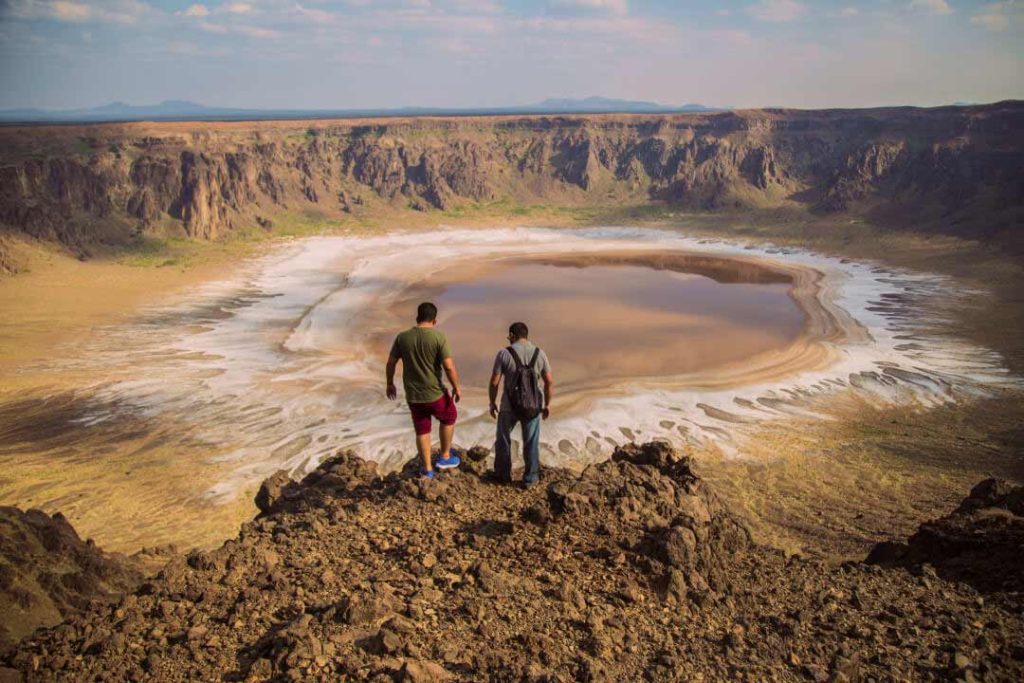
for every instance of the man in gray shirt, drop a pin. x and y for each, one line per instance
(505, 367)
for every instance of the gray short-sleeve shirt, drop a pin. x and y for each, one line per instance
(506, 366)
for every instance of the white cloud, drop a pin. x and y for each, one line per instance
(477, 6)
(638, 31)
(420, 20)
(116, 11)
(613, 6)
(70, 11)
(188, 49)
(776, 10)
(196, 11)
(48, 9)
(733, 37)
(847, 13)
(257, 32)
(237, 8)
(934, 6)
(993, 21)
(316, 15)
(210, 27)
(244, 30)
(996, 16)
(125, 11)
(453, 46)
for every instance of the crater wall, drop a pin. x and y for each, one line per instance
(954, 169)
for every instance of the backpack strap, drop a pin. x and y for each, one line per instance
(515, 357)
(536, 355)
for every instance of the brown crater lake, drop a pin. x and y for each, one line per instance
(614, 318)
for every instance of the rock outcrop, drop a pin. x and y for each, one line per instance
(980, 543)
(48, 573)
(953, 169)
(632, 570)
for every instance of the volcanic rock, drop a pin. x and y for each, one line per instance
(637, 571)
(271, 491)
(980, 543)
(48, 573)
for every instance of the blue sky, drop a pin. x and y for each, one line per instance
(463, 53)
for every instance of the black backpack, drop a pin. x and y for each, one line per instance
(523, 392)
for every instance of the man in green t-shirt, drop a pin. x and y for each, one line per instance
(425, 352)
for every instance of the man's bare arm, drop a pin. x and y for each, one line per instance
(453, 378)
(549, 391)
(389, 373)
(492, 391)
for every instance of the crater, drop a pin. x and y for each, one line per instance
(175, 416)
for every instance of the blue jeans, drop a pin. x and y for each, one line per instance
(503, 447)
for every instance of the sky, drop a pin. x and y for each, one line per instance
(340, 54)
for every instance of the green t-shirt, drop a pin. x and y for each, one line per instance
(422, 351)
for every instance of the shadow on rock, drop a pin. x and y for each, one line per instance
(981, 543)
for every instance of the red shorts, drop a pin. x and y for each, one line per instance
(443, 409)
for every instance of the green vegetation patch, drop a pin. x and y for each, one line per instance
(159, 252)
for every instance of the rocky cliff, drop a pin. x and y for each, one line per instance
(633, 570)
(953, 169)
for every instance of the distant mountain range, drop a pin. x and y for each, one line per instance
(604, 104)
(180, 110)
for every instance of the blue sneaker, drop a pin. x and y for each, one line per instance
(448, 463)
(427, 474)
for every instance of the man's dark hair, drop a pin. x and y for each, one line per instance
(519, 330)
(426, 312)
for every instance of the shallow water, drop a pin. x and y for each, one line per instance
(602, 323)
(160, 429)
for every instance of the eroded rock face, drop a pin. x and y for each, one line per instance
(631, 570)
(903, 167)
(864, 171)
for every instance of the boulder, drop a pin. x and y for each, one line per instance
(423, 671)
(367, 606)
(272, 491)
